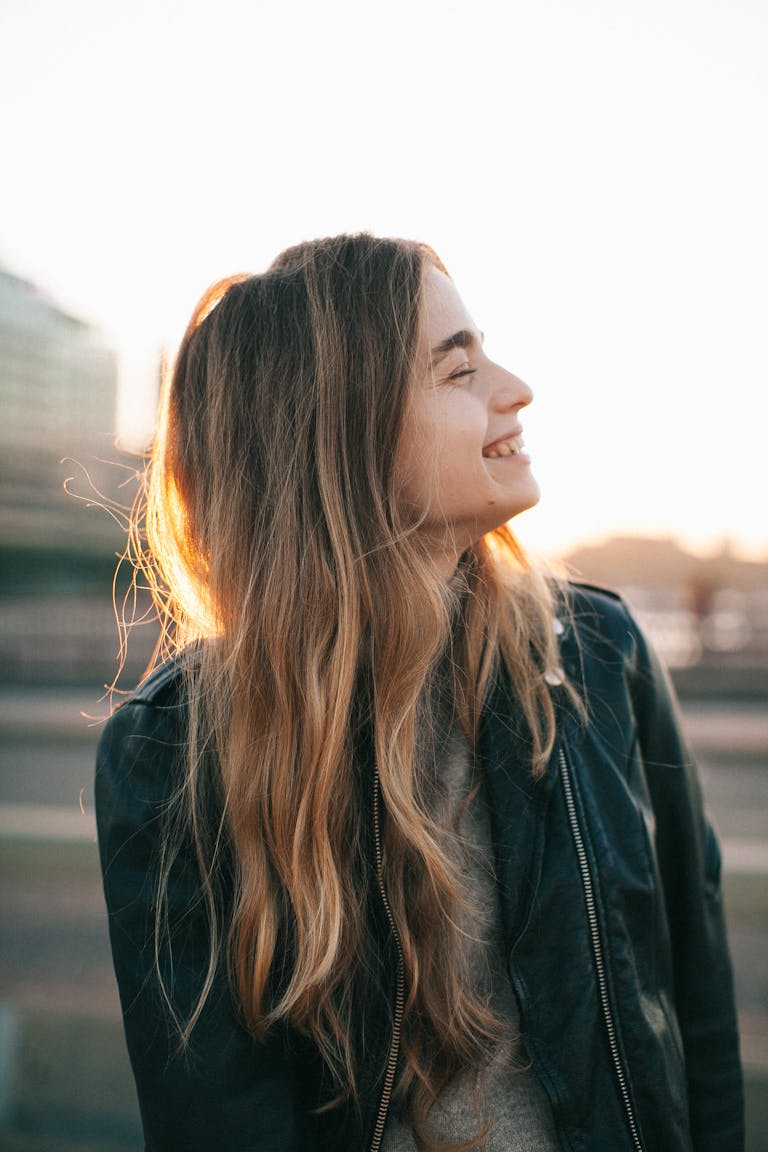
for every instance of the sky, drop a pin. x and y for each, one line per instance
(593, 174)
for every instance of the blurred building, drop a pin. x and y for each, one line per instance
(63, 488)
(58, 380)
(707, 616)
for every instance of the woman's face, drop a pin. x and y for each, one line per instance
(461, 467)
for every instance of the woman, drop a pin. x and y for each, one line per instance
(402, 849)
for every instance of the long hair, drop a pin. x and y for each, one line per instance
(274, 530)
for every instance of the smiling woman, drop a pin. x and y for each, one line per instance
(461, 463)
(401, 845)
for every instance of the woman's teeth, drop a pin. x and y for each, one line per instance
(509, 447)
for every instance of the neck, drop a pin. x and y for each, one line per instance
(445, 554)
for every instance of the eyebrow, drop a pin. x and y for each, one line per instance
(461, 339)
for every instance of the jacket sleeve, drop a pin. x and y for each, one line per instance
(226, 1091)
(689, 861)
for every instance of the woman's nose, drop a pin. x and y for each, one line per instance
(511, 392)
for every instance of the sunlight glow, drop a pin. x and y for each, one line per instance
(593, 185)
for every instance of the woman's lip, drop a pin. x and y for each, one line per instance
(503, 439)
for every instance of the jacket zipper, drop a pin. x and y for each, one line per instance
(597, 949)
(394, 1048)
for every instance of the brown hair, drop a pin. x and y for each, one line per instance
(273, 524)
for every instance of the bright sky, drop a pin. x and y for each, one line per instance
(594, 175)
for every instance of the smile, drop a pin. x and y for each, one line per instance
(513, 446)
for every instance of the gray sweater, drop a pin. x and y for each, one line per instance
(508, 1095)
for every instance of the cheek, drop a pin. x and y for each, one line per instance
(456, 428)
(439, 458)
(416, 471)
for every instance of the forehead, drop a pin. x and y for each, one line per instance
(444, 311)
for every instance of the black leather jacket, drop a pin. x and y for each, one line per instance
(609, 880)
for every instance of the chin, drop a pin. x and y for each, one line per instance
(523, 500)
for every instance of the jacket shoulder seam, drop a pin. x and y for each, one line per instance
(602, 589)
(150, 691)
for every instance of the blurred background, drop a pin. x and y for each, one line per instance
(593, 177)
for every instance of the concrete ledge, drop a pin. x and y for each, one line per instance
(47, 823)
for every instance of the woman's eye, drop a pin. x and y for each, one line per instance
(462, 372)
